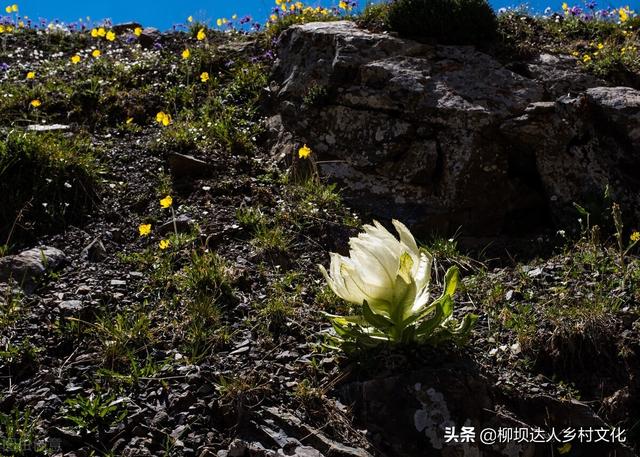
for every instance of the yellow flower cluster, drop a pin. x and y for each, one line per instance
(624, 14)
(145, 229)
(163, 118)
(635, 236)
(101, 32)
(186, 54)
(6, 28)
(11, 8)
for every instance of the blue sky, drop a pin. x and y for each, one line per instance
(164, 13)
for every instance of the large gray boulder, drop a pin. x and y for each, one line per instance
(447, 137)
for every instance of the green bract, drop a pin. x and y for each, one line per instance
(389, 279)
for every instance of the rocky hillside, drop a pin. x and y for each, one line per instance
(159, 285)
(449, 138)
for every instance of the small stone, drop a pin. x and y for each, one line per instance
(83, 290)
(118, 283)
(149, 37)
(125, 27)
(71, 306)
(95, 251)
(47, 128)
(187, 166)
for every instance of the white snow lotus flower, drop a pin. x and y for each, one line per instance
(390, 279)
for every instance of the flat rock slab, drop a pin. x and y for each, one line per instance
(47, 128)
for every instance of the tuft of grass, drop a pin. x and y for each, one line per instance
(205, 286)
(47, 180)
(271, 239)
(18, 433)
(250, 217)
(10, 306)
(127, 333)
(97, 412)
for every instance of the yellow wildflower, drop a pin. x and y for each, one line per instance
(1, 28)
(144, 229)
(343, 5)
(8, 9)
(186, 54)
(111, 36)
(101, 32)
(166, 201)
(565, 7)
(94, 33)
(137, 31)
(201, 35)
(190, 19)
(164, 244)
(163, 118)
(35, 103)
(204, 77)
(600, 45)
(575, 53)
(96, 53)
(304, 152)
(129, 120)
(273, 17)
(586, 58)
(624, 15)
(14, 8)
(31, 75)
(75, 59)
(234, 17)
(635, 236)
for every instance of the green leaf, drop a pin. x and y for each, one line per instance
(580, 209)
(451, 279)
(426, 328)
(376, 320)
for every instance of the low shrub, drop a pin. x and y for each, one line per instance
(446, 21)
